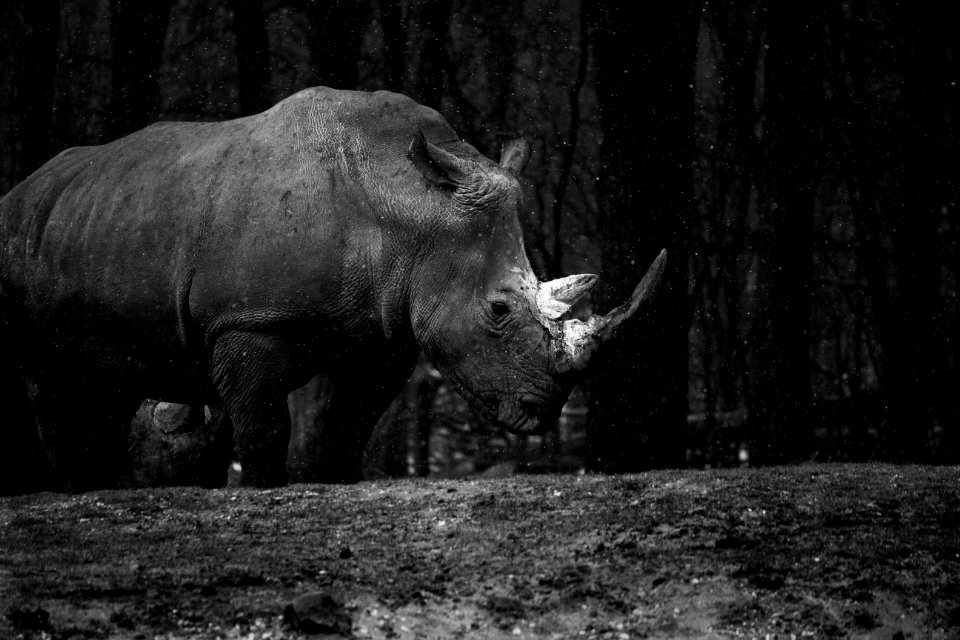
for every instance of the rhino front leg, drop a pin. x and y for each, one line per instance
(253, 374)
(357, 402)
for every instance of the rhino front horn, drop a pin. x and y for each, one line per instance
(582, 338)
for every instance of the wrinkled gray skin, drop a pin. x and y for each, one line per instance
(227, 263)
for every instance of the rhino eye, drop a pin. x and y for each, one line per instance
(499, 308)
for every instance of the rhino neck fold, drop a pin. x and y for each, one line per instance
(394, 305)
(392, 284)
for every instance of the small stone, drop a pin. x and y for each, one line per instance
(317, 612)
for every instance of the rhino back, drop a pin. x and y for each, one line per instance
(179, 227)
(94, 244)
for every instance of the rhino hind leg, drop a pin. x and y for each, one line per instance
(83, 429)
(253, 374)
(23, 464)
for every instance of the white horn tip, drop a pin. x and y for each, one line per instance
(554, 298)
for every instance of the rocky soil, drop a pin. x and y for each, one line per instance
(852, 551)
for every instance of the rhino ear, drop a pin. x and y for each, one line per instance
(438, 166)
(514, 155)
(554, 298)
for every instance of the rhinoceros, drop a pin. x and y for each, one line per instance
(228, 263)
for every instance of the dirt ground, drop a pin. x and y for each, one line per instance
(852, 551)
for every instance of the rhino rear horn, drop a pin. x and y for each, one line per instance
(554, 298)
(437, 165)
(514, 155)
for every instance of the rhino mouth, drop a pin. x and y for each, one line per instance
(532, 415)
(527, 414)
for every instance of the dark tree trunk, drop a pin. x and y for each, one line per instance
(860, 130)
(30, 33)
(385, 455)
(253, 55)
(394, 28)
(138, 31)
(434, 24)
(733, 163)
(37, 82)
(918, 377)
(308, 406)
(422, 391)
(503, 62)
(335, 36)
(554, 259)
(400, 445)
(644, 78)
(83, 84)
(780, 389)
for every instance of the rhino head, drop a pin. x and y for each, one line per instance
(502, 337)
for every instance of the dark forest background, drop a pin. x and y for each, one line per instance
(798, 160)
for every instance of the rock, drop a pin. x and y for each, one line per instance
(176, 444)
(318, 612)
(171, 418)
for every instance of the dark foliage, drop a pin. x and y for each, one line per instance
(799, 163)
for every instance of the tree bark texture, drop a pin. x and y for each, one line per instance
(644, 81)
(253, 55)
